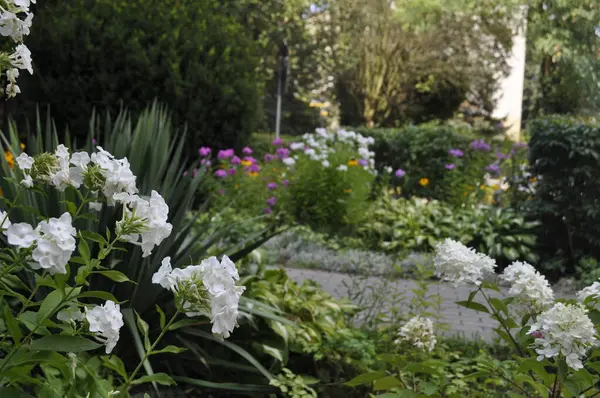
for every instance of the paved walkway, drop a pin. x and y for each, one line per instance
(398, 293)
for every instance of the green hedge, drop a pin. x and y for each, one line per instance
(565, 154)
(190, 55)
(422, 151)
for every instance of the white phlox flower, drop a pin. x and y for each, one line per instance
(528, 286)
(105, 321)
(418, 332)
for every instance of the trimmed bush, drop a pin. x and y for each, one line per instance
(565, 154)
(189, 54)
(422, 151)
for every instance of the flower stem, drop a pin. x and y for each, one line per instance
(497, 316)
(131, 378)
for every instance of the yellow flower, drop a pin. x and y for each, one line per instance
(533, 179)
(324, 113)
(495, 187)
(246, 163)
(482, 187)
(10, 159)
(424, 181)
(253, 173)
(22, 146)
(347, 190)
(353, 162)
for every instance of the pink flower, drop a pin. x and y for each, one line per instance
(204, 151)
(247, 151)
(400, 173)
(231, 171)
(271, 201)
(283, 153)
(205, 162)
(277, 142)
(235, 160)
(272, 186)
(226, 153)
(220, 173)
(269, 157)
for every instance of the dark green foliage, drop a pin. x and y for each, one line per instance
(188, 54)
(422, 151)
(565, 154)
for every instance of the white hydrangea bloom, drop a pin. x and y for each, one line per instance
(21, 235)
(24, 161)
(154, 213)
(295, 146)
(325, 163)
(215, 278)
(566, 331)
(55, 244)
(419, 332)
(106, 321)
(456, 263)
(592, 291)
(289, 161)
(528, 285)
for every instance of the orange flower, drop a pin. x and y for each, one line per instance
(347, 190)
(353, 162)
(246, 163)
(253, 173)
(424, 181)
(10, 159)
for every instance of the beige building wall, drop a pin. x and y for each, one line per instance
(510, 94)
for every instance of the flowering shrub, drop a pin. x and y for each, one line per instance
(54, 258)
(324, 179)
(555, 343)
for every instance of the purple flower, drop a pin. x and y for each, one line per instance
(269, 157)
(363, 162)
(268, 210)
(450, 166)
(277, 142)
(231, 171)
(204, 151)
(456, 152)
(271, 201)
(283, 153)
(225, 153)
(253, 168)
(400, 173)
(236, 160)
(272, 186)
(250, 159)
(493, 168)
(221, 173)
(519, 145)
(285, 182)
(502, 156)
(481, 145)
(94, 141)
(247, 150)
(205, 162)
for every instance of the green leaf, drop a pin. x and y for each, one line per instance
(419, 368)
(161, 314)
(499, 305)
(115, 276)
(64, 344)
(160, 378)
(99, 294)
(113, 362)
(84, 250)
(143, 328)
(524, 378)
(169, 349)
(12, 325)
(274, 352)
(181, 324)
(385, 383)
(280, 329)
(491, 286)
(474, 306)
(365, 378)
(93, 236)
(71, 207)
(12, 392)
(50, 303)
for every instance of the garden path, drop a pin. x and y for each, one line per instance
(460, 321)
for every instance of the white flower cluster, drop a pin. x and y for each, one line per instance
(153, 213)
(564, 330)
(456, 263)
(592, 291)
(418, 332)
(208, 285)
(13, 26)
(114, 178)
(528, 286)
(54, 241)
(106, 321)
(320, 145)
